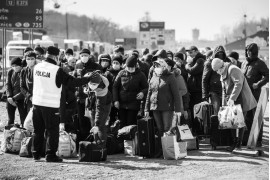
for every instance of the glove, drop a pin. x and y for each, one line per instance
(62, 127)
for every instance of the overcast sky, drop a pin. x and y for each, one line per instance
(182, 15)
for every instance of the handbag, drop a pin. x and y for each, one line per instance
(182, 132)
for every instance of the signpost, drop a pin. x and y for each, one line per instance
(20, 14)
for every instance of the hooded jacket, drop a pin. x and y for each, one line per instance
(255, 70)
(126, 87)
(195, 71)
(221, 49)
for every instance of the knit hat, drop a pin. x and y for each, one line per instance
(132, 61)
(234, 55)
(119, 48)
(160, 54)
(118, 58)
(191, 48)
(85, 51)
(217, 64)
(170, 52)
(69, 51)
(105, 57)
(208, 53)
(53, 50)
(179, 55)
(28, 49)
(170, 62)
(145, 51)
(39, 50)
(16, 61)
(95, 81)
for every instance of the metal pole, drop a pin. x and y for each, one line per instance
(3, 56)
(32, 44)
(29, 37)
(67, 25)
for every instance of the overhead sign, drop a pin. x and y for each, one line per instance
(21, 14)
(146, 26)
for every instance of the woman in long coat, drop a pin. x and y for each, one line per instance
(235, 91)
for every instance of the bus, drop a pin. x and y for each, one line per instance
(16, 48)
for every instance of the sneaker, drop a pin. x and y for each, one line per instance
(53, 158)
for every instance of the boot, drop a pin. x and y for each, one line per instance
(235, 141)
(158, 146)
(240, 139)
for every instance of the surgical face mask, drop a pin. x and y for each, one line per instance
(116, 66)
(84, 59)
(16, 68)
(158, 70)
(104, 64)
(131, 69)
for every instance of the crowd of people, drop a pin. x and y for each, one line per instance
(88, 95)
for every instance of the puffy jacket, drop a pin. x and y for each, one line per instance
(111, 74)
(220, 49)
(256, 72)
(195, 71)
(210, 81)
(13, 85)
(163, 93)
(126, 87)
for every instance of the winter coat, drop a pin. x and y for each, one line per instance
(220, 49)
(126, 87)
(13, 85)
(111, 74)
(210, 81)
(181, 86)
(195, 71)
(26, 83)
(163, 93)
(144, 67)
(256, 72)
(235, 87)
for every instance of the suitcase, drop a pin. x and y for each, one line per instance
(202, 115)
(146, 137)
(219, 137)
(92, 151)
(111, 144)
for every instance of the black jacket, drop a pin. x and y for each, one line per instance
(13, 85)
(195, 71)
(26, 82)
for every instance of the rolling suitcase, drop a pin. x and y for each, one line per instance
(202, 115)
(146, 137)
(219, 137)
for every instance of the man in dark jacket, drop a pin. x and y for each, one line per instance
(86, 65)
(179, 60)
(15, 98)
(257, 75)
(234, 57)
(194, 68)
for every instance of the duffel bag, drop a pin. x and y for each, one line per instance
(93, 151)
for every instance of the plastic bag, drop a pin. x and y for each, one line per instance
(173, 149)
(28, 122)
(66, 146)
(231, 117)
(130, 147)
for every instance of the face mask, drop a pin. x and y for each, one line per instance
(84, 59)
(104, 64)
(159, 70)
(16, 68)
(116, 66)
(30, 63)
(131, 69)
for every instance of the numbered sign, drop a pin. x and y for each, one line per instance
(21, 14)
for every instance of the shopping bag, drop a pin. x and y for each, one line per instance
(13, 136)
(66, 146)
(231, 117)
(28, 122)
(130, 147)
(173, 149)
(26, 145)
(183, 133)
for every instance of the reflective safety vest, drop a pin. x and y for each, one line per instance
(45, 91)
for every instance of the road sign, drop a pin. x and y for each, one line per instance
(21, 14)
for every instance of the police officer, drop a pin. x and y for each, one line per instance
(47, 87)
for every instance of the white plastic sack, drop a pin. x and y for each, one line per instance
(231, 117)
(66, 146)
(173, 149)
(12, 139)
(129, 146)
(28, 122)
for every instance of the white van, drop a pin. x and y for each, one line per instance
(16, 48)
